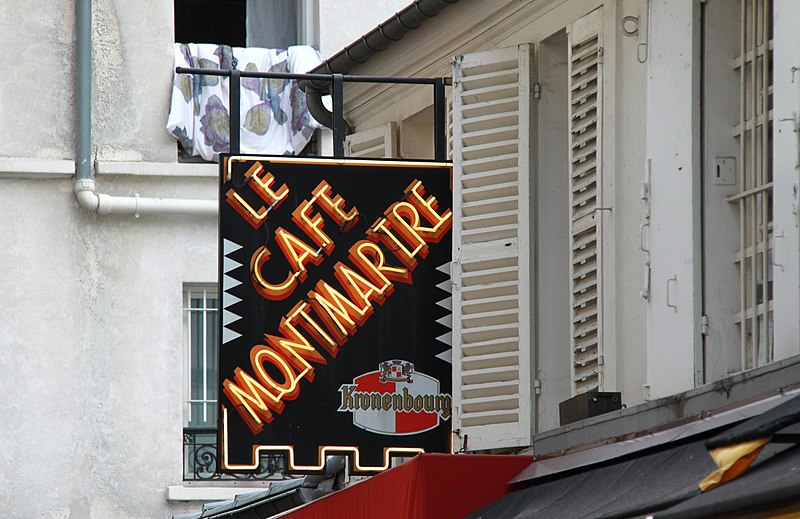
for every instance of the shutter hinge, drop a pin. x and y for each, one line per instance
(537, 90)
(457, 73)
(601, 361)
(600, 54)
(704, 324)
(537, 387)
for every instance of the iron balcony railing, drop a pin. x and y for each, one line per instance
(200, 459)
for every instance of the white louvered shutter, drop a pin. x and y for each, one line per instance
(376, 143)
(448, 96)
(585, 83)
(491, 248)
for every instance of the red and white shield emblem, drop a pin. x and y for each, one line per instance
(392, 401)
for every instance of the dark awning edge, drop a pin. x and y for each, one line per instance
(662, 481)
(624, 445)
(361, 50)
(762, 426)
(771, 486)
(279, 497)
(657, 504)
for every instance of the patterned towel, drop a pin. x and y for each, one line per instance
(274, 116)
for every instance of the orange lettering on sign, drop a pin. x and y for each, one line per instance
(263, 187)
(369, 258)
(297, 252)
(286, 390)
(338, 315)
(312, 225)
(272, 292)
(254, 217)
(338, 312)
(405, 220)
(299, 314)
(293, 346)
(254, 402)
(334, 207)
(359, 288)
(441, 223)
(382, 231)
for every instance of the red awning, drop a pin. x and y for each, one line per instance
(429, 485)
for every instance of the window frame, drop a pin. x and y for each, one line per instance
(208, 291)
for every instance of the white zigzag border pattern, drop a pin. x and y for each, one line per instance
(228, 299)
(446, 320)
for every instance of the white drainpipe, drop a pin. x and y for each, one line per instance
(89, 198)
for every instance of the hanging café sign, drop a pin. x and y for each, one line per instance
(335, 311)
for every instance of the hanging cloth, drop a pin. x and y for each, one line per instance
(273, 113)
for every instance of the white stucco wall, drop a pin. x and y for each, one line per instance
(37, 111)
(92, 349)
(132, 60)
(341, 23)
(91, 333)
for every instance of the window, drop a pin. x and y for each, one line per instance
(753, 201)
(508, 254)
(201, 371)
(273, 24)
(201, 333)
(217, 34)
(738, 229)
(211, 21)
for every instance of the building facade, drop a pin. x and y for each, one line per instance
(625, 183)
(106, 315)
(626, 194)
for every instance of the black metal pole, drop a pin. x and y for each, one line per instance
(338, 116)
(439, 127)
(234, 104)
(326, 78)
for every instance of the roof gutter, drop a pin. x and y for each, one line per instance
(360, 51)
(84, 186)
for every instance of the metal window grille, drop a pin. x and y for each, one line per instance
(200, 310)
(753, 202)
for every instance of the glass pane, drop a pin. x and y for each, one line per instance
(196, 352)
(202, 333)
(273, 24)
(212, 369)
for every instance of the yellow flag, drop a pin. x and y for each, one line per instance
(733, 461)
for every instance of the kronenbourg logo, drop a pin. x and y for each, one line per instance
(395, 400)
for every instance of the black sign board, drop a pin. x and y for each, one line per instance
(335, 318)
